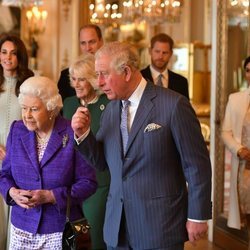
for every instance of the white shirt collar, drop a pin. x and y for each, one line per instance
(155, 75)
(137, 94)
(135, 99)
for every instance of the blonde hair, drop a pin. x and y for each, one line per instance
(43, 88)
(84, 67)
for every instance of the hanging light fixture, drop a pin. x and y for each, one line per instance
(36, 24)
(36, 17)
(36, 20)
(154, 11)
(128, 11)
(104, 13)
(238, 7)
(238, 13)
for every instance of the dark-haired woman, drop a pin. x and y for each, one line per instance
(236, 136)
(13, 71)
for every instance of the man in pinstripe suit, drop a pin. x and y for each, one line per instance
(149, 205)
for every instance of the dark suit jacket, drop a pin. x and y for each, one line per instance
(65, 90)
(149, 182)
(60, 169)
(176, 82)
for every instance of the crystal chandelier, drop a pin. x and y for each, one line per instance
(238, 8)
(36, 20)
(104, 13)
(129, 11)
(36, 17)
(153, 11)
(238, 13)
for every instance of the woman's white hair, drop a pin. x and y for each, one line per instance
(121, 53)
(43, 88)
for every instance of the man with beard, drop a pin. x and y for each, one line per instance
(161, 50)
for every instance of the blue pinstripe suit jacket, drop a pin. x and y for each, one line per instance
(149, 182)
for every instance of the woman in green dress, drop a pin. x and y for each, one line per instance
(83, 80)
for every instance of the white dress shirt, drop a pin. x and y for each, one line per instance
(135, 99)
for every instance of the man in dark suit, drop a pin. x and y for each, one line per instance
(161, 50)
(149, 204)
(90, 38)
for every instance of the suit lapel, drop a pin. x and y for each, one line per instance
(144, 109)
(149, 75)
(170, 79)
(116, 118)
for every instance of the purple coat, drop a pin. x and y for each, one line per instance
(61, 168)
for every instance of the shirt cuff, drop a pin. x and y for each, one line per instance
(82, 137)
(198, 221)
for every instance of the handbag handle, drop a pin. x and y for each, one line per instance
(68, 206)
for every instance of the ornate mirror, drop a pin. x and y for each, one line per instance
(232, 47)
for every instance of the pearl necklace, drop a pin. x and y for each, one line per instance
(42, 141)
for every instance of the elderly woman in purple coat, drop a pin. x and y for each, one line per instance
(41, 167)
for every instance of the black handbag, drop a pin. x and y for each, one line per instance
(76, 234)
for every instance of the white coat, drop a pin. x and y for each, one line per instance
(236, 109)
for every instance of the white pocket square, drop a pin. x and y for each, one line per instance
(151, 127)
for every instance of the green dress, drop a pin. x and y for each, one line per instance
(94, 207)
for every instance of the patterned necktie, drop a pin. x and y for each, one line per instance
(124, 124)
(159, 80)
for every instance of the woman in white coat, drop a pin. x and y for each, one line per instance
(236, 136)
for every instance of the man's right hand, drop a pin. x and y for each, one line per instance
(81, 120)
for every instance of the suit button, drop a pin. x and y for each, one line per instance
(121, 200)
